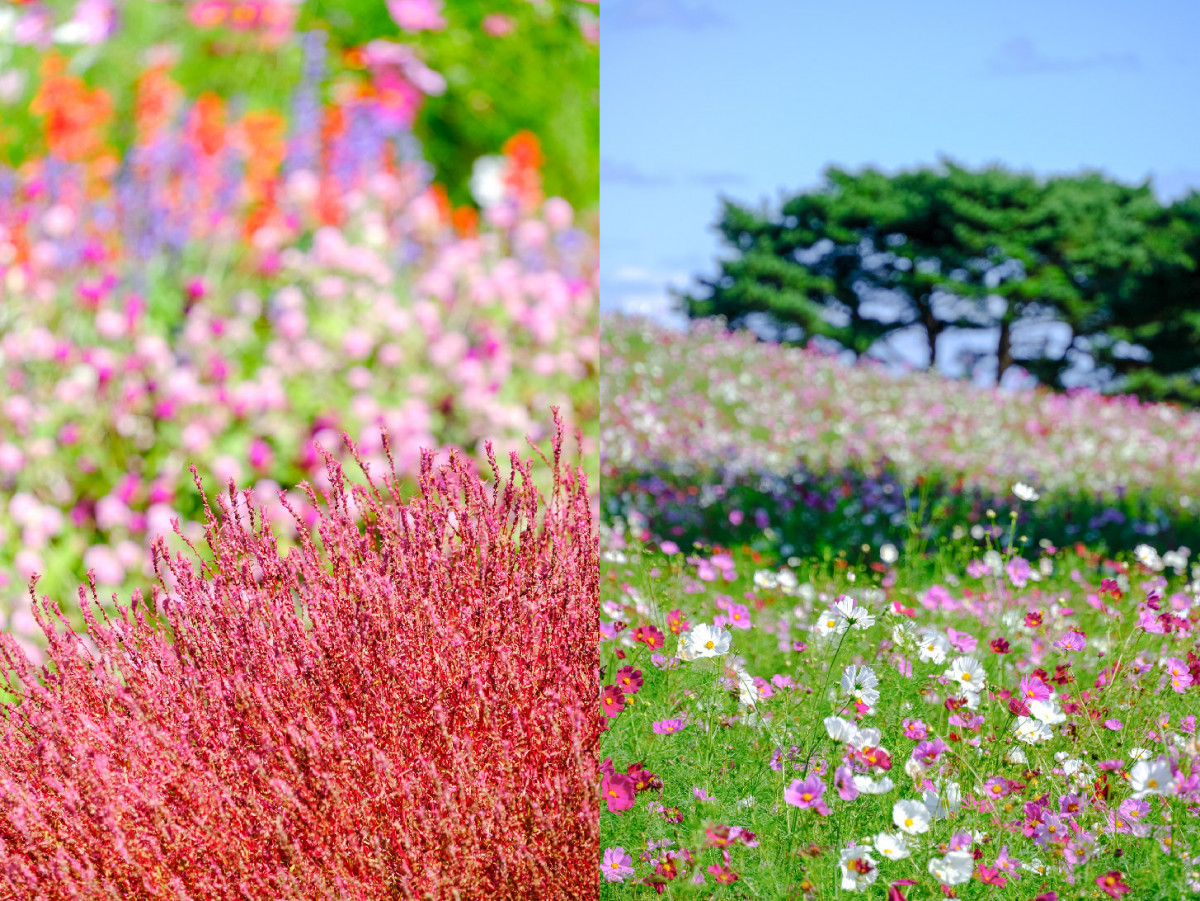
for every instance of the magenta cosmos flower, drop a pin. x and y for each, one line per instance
(618, 791)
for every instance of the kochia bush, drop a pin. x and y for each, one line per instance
(402, 708)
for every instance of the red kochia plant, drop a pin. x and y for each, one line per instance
(404, 709)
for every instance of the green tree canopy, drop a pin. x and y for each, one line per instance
(1072, 274)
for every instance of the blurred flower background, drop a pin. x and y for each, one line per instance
(231, 230)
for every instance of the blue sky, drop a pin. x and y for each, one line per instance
(754, 98)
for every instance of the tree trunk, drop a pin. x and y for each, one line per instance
(1004, 358)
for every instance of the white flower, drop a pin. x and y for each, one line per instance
(888, 553)
(1016, 755)
(861, 683)
(1035, 866)
(911, 817)
(852, 615)
(1031, 731)
(1140, 754)
(846, 731)
(967, 673)
(1148, 557)
(1024, 492)
(764, 578)
(869, 786)
(748, 695)
(840, 729)
(904, 635)
(705, 641)
(914, 769)
(827, 623)
(953, 869)
(892, 845)
(1151, 778)
(1048, 711)
(858, 868)
(934, 647)
(487, 183)
(941, 804)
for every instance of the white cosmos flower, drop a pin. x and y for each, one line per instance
(706, 641)
(1036, 866)
(941, 803)
(840, 729)
(868, 786)
(888, 554)
(845, 731)
(1016, 755)
(933, 648)
(861, 683)
(1140, 754)
(1148, 556)
(892, 845)
(828, 623)
(1025, 492)
(904, 635)
(852, 615)
(967, 674)
(1048, 711)
(911, 817)
(953, 869)
(858, 868)
(1151, 778)
(1031, 731)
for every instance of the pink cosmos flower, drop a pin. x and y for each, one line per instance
(617, 865)
(805, 793)
(629, 680)
(1072, 641)
(669, 727)
(498, 25)
(928, 752)
(1112, 884)
(612, 700)
(963, 641)
(617, 789)
(1034, 689)
(916, 730)
(990, 876)
(417, 15)
(843, 781)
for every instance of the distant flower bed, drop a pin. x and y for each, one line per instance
(799, 443)
(231, 296)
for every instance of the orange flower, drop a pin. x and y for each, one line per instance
(466, 221)
(75, 115)
(262, 134)
(524, 150)
(206, 125)
(155, 102)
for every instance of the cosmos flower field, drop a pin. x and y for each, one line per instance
(956, 706)
(776, 440)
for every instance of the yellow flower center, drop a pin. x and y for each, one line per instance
(966, 677)
(807, 796)
(908, 821)
(710, 645)
(1151, 783)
